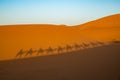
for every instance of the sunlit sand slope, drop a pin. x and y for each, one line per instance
(105, 29)
(16, 37)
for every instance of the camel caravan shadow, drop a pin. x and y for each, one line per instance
(61, 50)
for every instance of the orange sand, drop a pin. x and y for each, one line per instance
(16, 37)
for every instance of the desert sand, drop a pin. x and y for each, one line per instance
(13, 38)
(100, 63)
(83, 52)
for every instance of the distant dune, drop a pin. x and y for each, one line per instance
(35, 36)
(104, 29)
(112, 21)
(100, 63)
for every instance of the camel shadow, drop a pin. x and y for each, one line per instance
(20, 53)
(30, 52)
(60, 49)
(85, 45)
(76, 46)
(40, 51)
(49, 50)
(66, 49)
(69, 48)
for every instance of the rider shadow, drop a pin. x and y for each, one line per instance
(20, 53)
(69, 48)
(93, 44)
(40, 51)
(49, 50)
(77, 47)
(60, 49)
(30, 52)
(85, 45)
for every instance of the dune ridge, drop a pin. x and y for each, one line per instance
(26, 36)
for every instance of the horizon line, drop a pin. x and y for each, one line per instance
(54, 24)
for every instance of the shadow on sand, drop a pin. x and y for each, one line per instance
(60, 49)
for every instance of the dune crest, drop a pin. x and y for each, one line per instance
(35, 36)
(112, 21)
(104, 29)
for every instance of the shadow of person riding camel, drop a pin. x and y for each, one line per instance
(77, 46)
(40, 51)
(25, 53)
(30, 52)
(49, 50)
(60, 49)
(85, 45)
(69, 48)
(20, 53)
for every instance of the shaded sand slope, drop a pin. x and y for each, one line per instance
(100, 63)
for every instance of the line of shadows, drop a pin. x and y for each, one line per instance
(60, 49)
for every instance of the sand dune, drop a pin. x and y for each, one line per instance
(104, 29)
(100, 63)
(16, 37)
(112, 21)
(83, 52)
